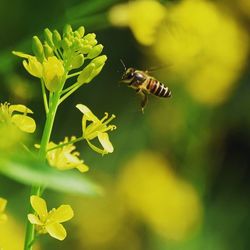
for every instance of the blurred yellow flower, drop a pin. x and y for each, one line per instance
(102, 220)
(205, 47)
(6, 234)
(3, 216)
(168, 204)
(22, 121)
(49, 222)
(96, 128)
(63, 157)
(143, 17)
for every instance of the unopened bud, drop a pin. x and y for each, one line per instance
(48, 51)
(77, 61)
(81, 31)
(67, 29)
(66, 44)
(92, 69)
(95, 51)
(37, 48)
(48, 37)
(56, 38)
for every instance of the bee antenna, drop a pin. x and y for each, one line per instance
(123, 64)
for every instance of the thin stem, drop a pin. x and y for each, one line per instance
(74, 74)
(45, 100)
(66, 143)
(36, 190)
(70, 92)
(69, 88)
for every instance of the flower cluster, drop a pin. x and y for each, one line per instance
(49, 222)
(57, 55)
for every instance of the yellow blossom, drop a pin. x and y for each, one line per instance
(3, 216)
(32, 65)
(64, 158)
(151, 189)
(49, 222)
(143, 17)
(22, 121)
(53, 72)
(96, 128)
(205, 47)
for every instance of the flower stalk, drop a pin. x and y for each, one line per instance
(36, 190)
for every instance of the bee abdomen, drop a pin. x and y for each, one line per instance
(158, 89)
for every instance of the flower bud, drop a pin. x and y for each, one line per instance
(67, 29)
(66, 44)
(56, 38)
(81, 31)
(53, 72)
(92, 69)
(77, 62)
(86, 73)
(37, 48)
(48, 51)
(48, 37)
(95, 51)
(85, 49)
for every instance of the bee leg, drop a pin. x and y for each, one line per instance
(144, 99)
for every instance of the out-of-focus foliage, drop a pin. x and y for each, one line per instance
(178, 178)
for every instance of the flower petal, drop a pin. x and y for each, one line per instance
(56, 230)
(39, 205)
(21, 54)
(61, 214)
(87, 112)
(96, 149)
(25, 123)
(104, 140)
(82, 168)
(20, 108)
(33, 219)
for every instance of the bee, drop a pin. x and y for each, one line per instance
(144, 84)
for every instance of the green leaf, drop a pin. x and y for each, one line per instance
(30, 171)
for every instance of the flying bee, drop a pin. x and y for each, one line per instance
(144, 84)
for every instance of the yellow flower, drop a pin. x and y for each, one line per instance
(143, 17)
(33, 66)
(170, 205)
(64, 158)
(3, 216)
(96, 128)
(207, 49)
(22, 121)
(49, 222)
(53, 72)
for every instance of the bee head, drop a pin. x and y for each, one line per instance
(128, 74)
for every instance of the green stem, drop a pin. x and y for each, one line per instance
(36, 190)
(45, 101)
(69, 88)
(70, 92)
(74, 74)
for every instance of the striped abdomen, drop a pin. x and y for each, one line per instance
(157, 88)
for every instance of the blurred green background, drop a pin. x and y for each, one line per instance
(179, 175)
